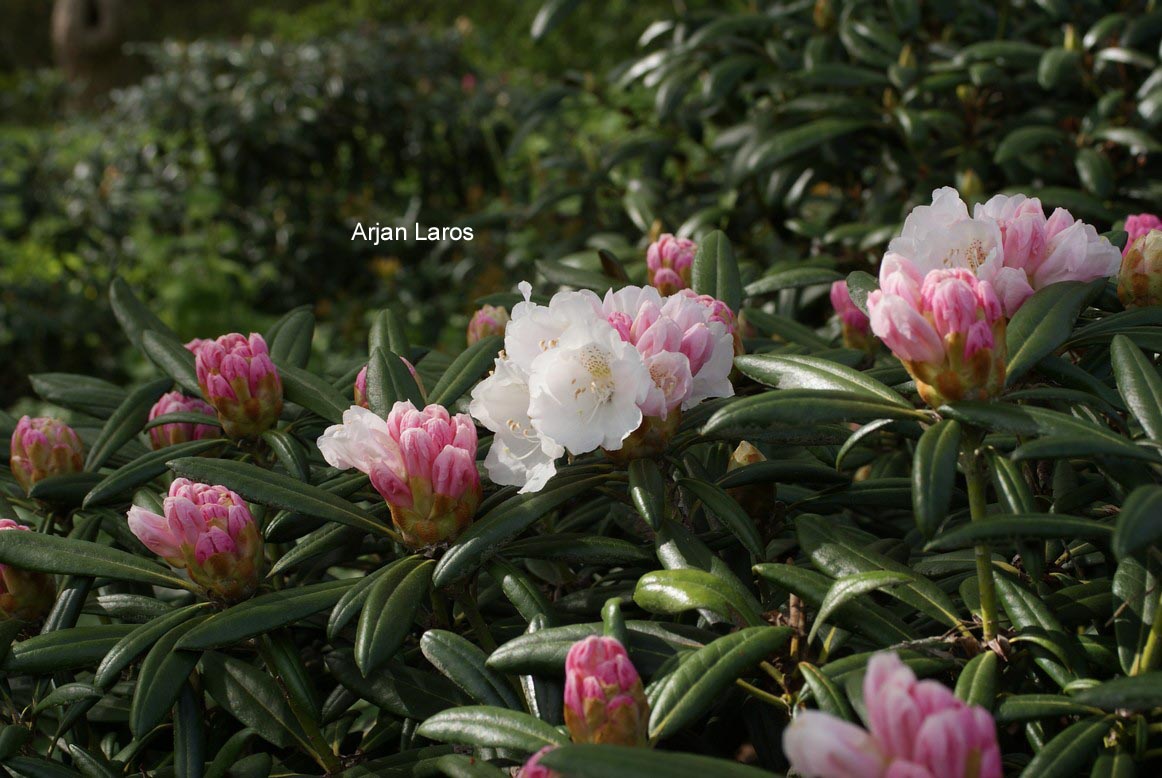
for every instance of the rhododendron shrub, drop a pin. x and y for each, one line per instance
(674, 521)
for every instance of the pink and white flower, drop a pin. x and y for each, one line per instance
(1137, 225)
(669, 263)
(488, 320)
(915, 729)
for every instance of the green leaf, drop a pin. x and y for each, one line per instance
(67, 489)
(977, 684)
(1028, 613)
(804, 406)
(605, 761)
(250, 696)
(792, 278)
(1023, 141)
(676, 591)
(828, 697)
(67, 556)
(504, 522)
(934, 474)
(1070, 751)
(1138, 692)
(647, 491)
(702, 678)
(400, 690)
(1044, 322)
(1135, 604)
(543, 651)
(142, 638)
(389, 381)
(1070, 446)
(1027, 420)
(78, 393)
(464, 665)
(189, 735)
(67, 694)
(859, 285)
(289, 452)
(278, 491)
(329, 537)
(134, 317)
(1042, 526)
(125, 422)
(289, 338)
(163, 673)
(263, 614)
(551, 14)
(727, 511)
(488, 726)
(388, 333)
(1031, 707)
(1139, 384)
(845, 589)
(144, 469)
(387, 616)
(304, 388)
(790, 143)
(1138, 525)
(63, 649)
(715, 270)
(174, 359)
(795, 371)
(465, 371)
(575, 548)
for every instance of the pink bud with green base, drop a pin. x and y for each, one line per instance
(239, 379)
(24, 594)
(604, 700)
(42, 447)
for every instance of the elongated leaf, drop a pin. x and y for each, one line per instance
(676, 591)
(133, 316)
(789, 143)
(647, 491)
(1029, 707)
(605, 761)
(250, 696)
(505, 522)
(290, 337)
(66, 556)
(386, 620)
(796, 371)
(125, 422)
(289, 452)
(388, 333)
(464, 665)
(1029, 420)
(792, 278)
(174, 359)
(491, 727)
(977, 684)
(329, 537)
(163, 673)
(726, 510)
(144, 469)
(550, 15)
(1069, 446)
(140, 640)
(1070, 751)
(1046, 526)
(1043, 323)
(1139, 692)
(189, 735)
(542, 651)
(934, 474)
(465, 371)
(1139, 384)
(845, 589)
(277, 491)
(304, 388)
(1028, 613)
(804, 406)
(63, 649)
(699, 681)
(78, 392)
(715, 270)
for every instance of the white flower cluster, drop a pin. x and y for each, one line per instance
(583, 372)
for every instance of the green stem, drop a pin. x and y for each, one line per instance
(762, 695)
(1152, 651)
(977, 506)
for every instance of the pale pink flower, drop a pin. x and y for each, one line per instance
(604, 700)
(915, 729)
(208, 531)
(854, 323)
(534, 769)
(947, 328)
(1137, 225)
(180, 432)
(668, 263)
(489, 320)
(41, 447)
(24, 594)
(239, 379)
(422, 462)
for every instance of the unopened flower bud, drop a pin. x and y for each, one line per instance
(207, 531)
(24, 594)
(757, 498)
(534, 769)
(180, 432)
(361, 383)
(238, 378)
(669, 262)
(604, 701)
(43, 447)
(423, 463)
(853, 322)
(1140, 277)
(489, 320)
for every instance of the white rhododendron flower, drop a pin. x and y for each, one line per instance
(583, 373)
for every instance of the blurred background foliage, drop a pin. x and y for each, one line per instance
(224, 172)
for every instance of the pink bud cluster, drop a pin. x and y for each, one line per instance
(915, 729)
(946, 327)
(855, 324)
(24, 594)
(361, 383)
(180, 432)
(1138, 225)
(604, 701)
(669, 262)
(208, 531)
(423, 463)
(43, 447)
(489, 320)
(239, 379)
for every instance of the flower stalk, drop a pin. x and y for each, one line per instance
(978, 511)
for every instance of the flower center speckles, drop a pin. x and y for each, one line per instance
(595, 361)
(974, 255)
(663, 379)
(545, 345)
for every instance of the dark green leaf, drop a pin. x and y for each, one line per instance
(934, 474)
(715, 270)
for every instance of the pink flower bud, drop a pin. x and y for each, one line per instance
(1140, 277)
(916, 729)
(604, 701)
(238, 378)
(180, 432)
(24, 594)
(209, 532)
(489, 320)
(43, 447)
(534, 769)
(423, 464)
(669, 261)
(1137, 225)
(947, 328)
(855, 324)
(361, 383)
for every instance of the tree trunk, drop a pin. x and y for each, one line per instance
(87, 36)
